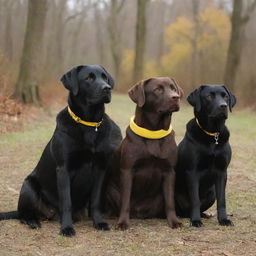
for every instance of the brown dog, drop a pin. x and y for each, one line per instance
(141, 184)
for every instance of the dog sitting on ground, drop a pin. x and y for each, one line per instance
(71, 170)
(141, 184)
(204, 155)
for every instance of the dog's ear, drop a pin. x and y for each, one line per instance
(70, 80)
(111, 81)
(232, 98)
(178, 88)
(194, 98)
(137, 93)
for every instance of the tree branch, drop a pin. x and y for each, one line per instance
(71, 17)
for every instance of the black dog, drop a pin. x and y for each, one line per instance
(71, 170)
(204, 155)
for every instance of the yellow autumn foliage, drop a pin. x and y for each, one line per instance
(214, 26)
(211, 38)
(180, 32)
(211, 41)
(127, 67)
(151, 69)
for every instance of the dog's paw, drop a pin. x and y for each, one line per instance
(196, 223)
(122, 226)
(175, 223)
(102, 226)
(31, 223)
(226, 222)
(68, 231)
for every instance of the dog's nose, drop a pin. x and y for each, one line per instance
(106, 88)
(175, 97)
(223, 105)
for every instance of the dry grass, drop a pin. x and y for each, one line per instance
(19, 152)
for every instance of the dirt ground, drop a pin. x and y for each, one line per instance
(20, 151)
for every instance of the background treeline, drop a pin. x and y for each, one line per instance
(195, 41)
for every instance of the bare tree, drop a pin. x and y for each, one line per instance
(239, 19)
(74, 24)
(27, 85)
(100, 33)
(155, 44)
(114, 35)
(194, 42)
(55, 30)
(140, 40)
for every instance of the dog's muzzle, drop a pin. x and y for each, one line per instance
(106, 93)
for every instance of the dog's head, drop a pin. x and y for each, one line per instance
(159, 94)
(92, 84)
(212, 100)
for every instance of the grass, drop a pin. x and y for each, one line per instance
(20, 151)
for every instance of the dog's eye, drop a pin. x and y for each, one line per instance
(172, 87)
(104, 77)
(209, 97)
(159, 89)
(226, 97)
(88, 79)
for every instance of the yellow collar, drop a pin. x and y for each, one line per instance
(145, 133)
(214, 134)
(79, 120)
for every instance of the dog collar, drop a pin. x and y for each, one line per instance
(79, 120)
(149, 134)
(214, 134)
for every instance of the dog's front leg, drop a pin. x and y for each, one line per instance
(126, 188)
(193, 192)
(65, 205)
(220, 186)
(168, 190)
(95, 205)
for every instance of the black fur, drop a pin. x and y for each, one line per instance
(71, 170)
(201, 170)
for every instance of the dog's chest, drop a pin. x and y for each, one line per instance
(158, 149)
(212, 159)
(90, 151)
(89, 141)
(148, 174)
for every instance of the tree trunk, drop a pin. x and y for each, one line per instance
(238, 22)
(54, 59)
(235, 44)
(27, 85)
(99, 33)
(114, 36)
(140, 40)
(195, 51)
(160, 44)
(74, 49)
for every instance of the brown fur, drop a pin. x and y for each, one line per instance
(141, 184)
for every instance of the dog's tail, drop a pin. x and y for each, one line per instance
(9, 215)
